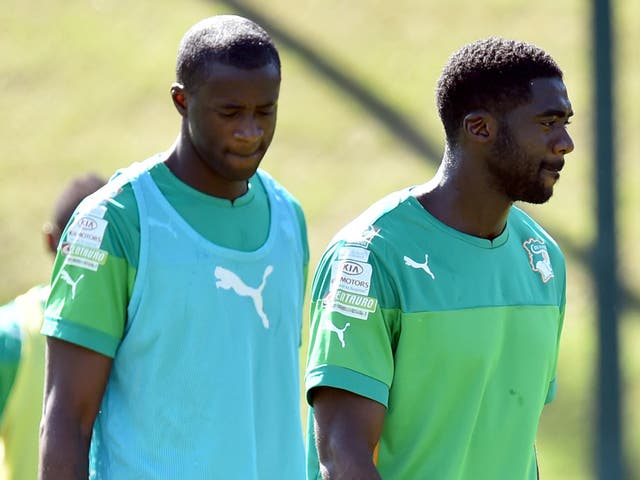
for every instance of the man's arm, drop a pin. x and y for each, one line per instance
(347, 430)
(10, 349)
(75, 380)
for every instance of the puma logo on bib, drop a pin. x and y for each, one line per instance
(228, 280)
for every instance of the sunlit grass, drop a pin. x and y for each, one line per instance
(85, 87)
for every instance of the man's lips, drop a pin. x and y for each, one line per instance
(552, 168)
(246, 155)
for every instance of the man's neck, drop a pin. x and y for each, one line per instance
(460, 196)
(186, 164)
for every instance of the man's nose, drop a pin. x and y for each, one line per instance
(564, 144)
(248, 129)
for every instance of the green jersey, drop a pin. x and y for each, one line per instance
(456, 335)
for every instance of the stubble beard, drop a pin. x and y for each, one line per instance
(515, 173)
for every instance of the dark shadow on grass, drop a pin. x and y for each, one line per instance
(392, 119)
(629, 299)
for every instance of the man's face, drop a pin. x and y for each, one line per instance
(231, 118)
(531, 143)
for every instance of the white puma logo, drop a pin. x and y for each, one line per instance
(67, 278)
(424, 266)
(328, 325)
(228, 280)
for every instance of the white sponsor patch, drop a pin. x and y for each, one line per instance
(87, 230)
(354, 253)
(351, 276)
(85, 257)
(82, 263)
(351, 304)
(350, 311)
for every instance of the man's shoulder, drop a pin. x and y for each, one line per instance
(111, 205)
(116, 201)
(271, 184)
(107, 221)
(365, 229)
(522, 224)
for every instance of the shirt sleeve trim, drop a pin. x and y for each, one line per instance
(85, 337)
(346, 379)
(551, 392)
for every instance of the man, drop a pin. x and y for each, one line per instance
(22, 352)
(174, 318)
(436, 314)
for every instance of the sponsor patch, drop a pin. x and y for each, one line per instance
(351, 276)
(354, 253)
(352, 304)
(84, 257)
(87, 230)
(363, 302)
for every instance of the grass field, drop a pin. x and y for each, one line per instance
(85, 87)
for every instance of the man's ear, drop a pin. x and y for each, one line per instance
(179, 97)
(51, 238)
(480, 126)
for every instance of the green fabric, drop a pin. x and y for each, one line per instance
(332, 376)
(464, 337)
(10, 346)
(19, 429)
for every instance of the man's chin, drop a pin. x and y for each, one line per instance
(538, 197)
(243, 174)
(243, 168)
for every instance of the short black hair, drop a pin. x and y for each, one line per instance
(227, 39)
(493, 74)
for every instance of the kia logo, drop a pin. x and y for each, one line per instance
(352, 268)
(87, 224)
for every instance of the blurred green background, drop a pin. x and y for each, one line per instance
(85, 86)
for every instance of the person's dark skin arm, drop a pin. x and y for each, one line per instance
(347, 428)
(75, 380)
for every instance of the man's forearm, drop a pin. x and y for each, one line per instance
(352, 471)
(64, 452)
(344, 462)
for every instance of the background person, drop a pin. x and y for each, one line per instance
(22, 351)
(174, 320)
(436, 314)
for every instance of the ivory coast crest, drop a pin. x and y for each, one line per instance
(539, 259)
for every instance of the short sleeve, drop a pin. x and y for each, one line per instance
(351, 341)
(94, 271)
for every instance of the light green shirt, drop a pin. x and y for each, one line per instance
(456, 335)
